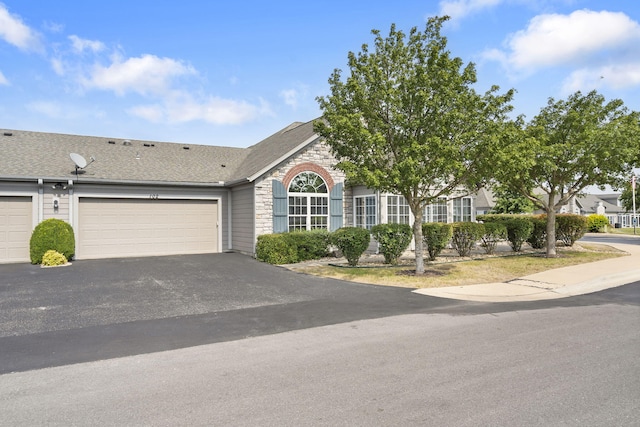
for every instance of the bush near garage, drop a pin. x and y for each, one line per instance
(312, 244)
(436, 236)
(393, 239)
(465, 235)
(276, 249)
(597, 223)
(296, 246)
(494, 232)
(52, 234)
(570, 228)
(53, 258)
(538, 237)
(352, 241)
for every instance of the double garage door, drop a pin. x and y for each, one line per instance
(15, 228)
(109, 228)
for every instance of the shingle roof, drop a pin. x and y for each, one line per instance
(26, 154)
(273, 148)
(589, 202)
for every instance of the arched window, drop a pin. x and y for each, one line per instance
(308, 202)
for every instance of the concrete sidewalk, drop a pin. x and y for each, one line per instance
(558, 283)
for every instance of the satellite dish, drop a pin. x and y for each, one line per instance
(80, 161)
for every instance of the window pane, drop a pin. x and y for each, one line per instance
(308, 182)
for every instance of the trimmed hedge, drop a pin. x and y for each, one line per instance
(465, 235)
(296, 246)
(436, 236)
(519, 227)
(494, 232)
(309, 245)
(597, 223)
(538, 237)
(52, 234)
(352, 241)
(53, 258)
(518, 231)
(276, 249)
(570, 227)
(393, 239)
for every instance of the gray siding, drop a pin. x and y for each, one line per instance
(242, 214)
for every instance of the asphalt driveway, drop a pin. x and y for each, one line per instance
(97, 309)
(100, 309)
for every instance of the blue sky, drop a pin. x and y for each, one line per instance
(231, 73)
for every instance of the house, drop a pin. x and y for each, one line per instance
(147, 198)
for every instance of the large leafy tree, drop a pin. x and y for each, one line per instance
(510, 202)
(626, 198)
(568, 146)
(406, 119)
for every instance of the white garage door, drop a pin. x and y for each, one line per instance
(109, 228)
(15, 228)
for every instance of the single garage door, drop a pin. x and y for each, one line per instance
(109, 228)
(15, 228)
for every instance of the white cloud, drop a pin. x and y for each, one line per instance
(146, 75)
(564, 39)
(181, 108)
(3, 80)
(81, 45)
(292, 96)
(458, 9)
(15, 32)
(617, 76)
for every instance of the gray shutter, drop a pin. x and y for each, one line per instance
(280, 208)
(335, 206)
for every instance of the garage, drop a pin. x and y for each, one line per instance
(110, 228)
(15, 228)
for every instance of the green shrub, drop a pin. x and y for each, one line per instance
(519, 229)
(494, 232)
(309, 245)
(538, 237)
(394, 239)
(52, 258)
(597, 223)
(570, 227)
(276, 249)
(436, 236)
(51, 234)
(465, 235)
(352, 241)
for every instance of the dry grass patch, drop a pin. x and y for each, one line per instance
(467, 272)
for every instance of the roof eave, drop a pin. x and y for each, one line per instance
(282, 158)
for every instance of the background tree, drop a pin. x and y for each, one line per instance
(569, 145)
(626, 198)
(510, 202)
(407, 120)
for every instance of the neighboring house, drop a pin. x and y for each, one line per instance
(146, 198)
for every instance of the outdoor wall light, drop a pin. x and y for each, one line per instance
(59, 186)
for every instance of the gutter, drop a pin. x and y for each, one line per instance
(87, 180)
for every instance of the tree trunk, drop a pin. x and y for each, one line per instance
(551, 232)
(417, 235)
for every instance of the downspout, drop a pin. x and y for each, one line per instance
(40, 200)
(71, 211)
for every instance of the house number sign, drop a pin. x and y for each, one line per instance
(153, 196)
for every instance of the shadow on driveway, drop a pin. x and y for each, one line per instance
(99, 309)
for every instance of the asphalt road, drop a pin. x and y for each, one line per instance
(103, 309)
(570, 366)
(225, 340)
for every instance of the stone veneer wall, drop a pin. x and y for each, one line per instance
(317, 153)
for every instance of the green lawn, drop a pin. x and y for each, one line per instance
(457, 273)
